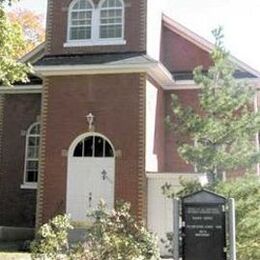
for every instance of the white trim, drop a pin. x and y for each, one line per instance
(174, 175)
(26, 184)
(80, 43)
(60, 70)
(21, 89)
(85, 135)
(154, 69)
(190, 84)
(31, 186)
(111, 8)
(95, 39)
(69, 18)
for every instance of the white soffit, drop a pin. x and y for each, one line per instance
(153, 68)
(21, 89)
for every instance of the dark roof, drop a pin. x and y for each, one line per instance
(33, 80)
(204, 196)
(95, 58)
(188, 75)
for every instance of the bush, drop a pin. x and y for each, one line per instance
(117, 235)
(114, 235)
(246, 192)
(52, 239)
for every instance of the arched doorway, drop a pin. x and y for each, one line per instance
(91, 174)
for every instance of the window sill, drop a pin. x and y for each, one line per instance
(32, 186)
(94, 43)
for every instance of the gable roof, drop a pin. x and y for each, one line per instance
(35, 54)
(203, 43)
(204, 196)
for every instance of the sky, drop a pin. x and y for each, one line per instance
(240, 19)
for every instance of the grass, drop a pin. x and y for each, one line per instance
(9, 251)
(14, 256)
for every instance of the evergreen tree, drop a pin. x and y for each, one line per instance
(222, 134)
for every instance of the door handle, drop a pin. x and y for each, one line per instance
(104, 174)
(90, 200)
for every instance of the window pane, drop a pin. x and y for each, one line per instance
(99, 146)
(88, 147)
(110, 31)
(82, 4)
(33, 152)
(32, 171)
(108, 150)
(112, 3)
(32, 176)
(78, 152)
(81, 18)
(80, 33)
(35, 130)
(111, 16)
(32, 165)
(33, 141)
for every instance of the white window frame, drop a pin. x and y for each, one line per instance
(69, 25)
(95, 29)
(101, 8)
(26, 184)
(95, 136)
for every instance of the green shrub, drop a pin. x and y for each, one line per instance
(52, 239)
(113, 235)
(116, 235)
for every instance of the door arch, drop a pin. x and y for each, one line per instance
(90, 175)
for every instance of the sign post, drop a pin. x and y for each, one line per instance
(232, 229)
(176, 228)
(204, 231)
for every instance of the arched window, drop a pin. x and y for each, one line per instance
(80, 20)
(95, 25)
(111, 19)
(93, 146)
(31, 167)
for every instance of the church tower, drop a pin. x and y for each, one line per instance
(93, 107)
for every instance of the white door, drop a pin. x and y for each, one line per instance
(91, 171)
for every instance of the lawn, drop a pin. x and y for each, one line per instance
(14, 256)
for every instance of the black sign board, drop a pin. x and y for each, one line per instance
(204, 226)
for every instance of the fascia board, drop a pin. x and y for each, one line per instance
(33, 52)
(190, 84)
(154, 69)
(91, 69)
(23, 89)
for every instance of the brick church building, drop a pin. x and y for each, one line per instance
(90, 124)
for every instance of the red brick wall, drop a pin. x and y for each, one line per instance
(17, 206)
(115, 101)
(135, 19)
(173, 162)
(178, 54)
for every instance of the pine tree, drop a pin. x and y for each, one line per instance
(222, 134)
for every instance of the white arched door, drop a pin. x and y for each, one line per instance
(91, 174)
